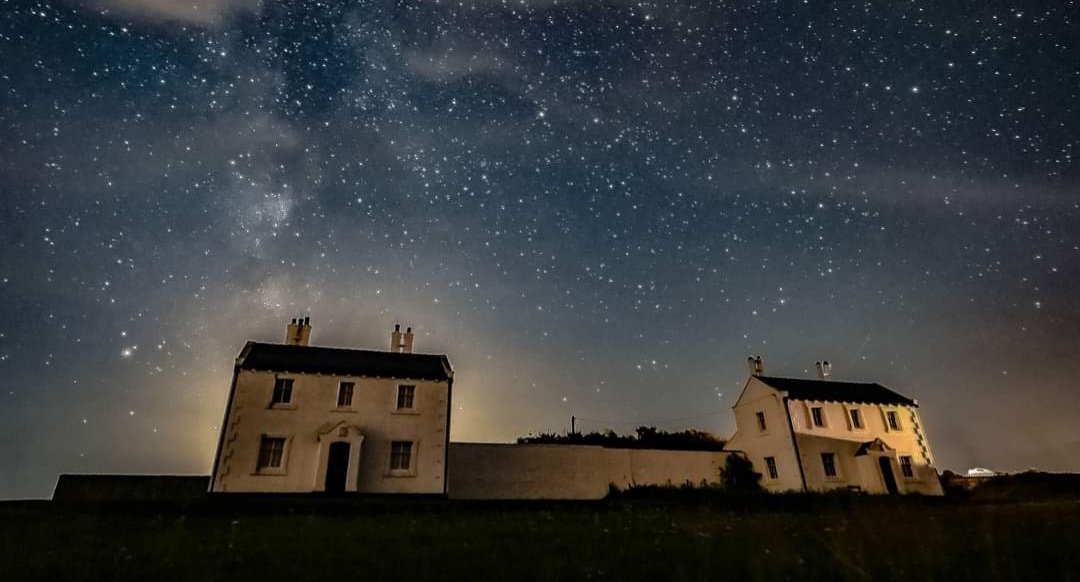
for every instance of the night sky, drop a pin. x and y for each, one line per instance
(595, 208)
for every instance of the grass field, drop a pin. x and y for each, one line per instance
(793, 538)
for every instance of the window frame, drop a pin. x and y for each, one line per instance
(282, 456)
(771, 469)
(907, 470)
(855, 417)
(405, 393)
(342, 386)
(817, 417)
(394, 467)
(829, 465)
(892, 421)
(283, 386)
(762, 424)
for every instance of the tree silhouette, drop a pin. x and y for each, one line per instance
(739, 476)
(644, 437)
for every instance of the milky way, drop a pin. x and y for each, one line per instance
(595, 208)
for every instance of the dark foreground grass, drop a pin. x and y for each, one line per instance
(848, 539)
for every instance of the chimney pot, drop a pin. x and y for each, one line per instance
(395, 338)
(298, 332)
(756, 365)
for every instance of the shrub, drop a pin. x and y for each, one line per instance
(644, 437)
(739, 476)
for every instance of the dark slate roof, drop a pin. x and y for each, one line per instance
(831, 391)
(343, 362)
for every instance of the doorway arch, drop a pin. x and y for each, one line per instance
(338, 467)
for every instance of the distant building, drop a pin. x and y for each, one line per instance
(819, 435)
(303, 419)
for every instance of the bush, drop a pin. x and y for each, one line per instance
(739, 476)
(644, 437)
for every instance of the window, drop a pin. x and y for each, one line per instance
(761, 422)
(770, 465)
(344, 394)
(893, 419)
(856, 418)
(400, 455)
(818, 416)
(271, 450)
(282, 391)
(828, 461)
(405, 397)
(905, 467)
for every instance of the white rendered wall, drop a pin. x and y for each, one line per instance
(510, 471)
(840, 437)
(313, 420)
(775, 441)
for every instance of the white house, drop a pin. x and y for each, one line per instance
(818, 435)
(303, 419)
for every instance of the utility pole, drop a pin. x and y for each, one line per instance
(573, 424)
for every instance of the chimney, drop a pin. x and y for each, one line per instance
(824, 369)
(395, 338)
(406, 345)
(756, 365)
(298, 332)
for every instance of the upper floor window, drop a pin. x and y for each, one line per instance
(770, 466)
(761, 422)
(271, 451)
(893, 418)
(818, 416)
(406, 395)
(828, 462)
(282, 391)
(345, 393)
(400, 455)
(856, 418)
(906, 467)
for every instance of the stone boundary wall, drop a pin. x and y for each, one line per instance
(512, 471)
(130, 487)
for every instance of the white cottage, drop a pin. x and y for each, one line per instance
(819, 435)
(304, 419)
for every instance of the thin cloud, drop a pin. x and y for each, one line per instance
(206, 13)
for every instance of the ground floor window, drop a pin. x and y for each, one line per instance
(271, 451)
(770, 466)
(906, 468)
(828, 462)
(400, 455)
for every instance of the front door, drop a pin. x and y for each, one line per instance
(887, 475)
(337, 467)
